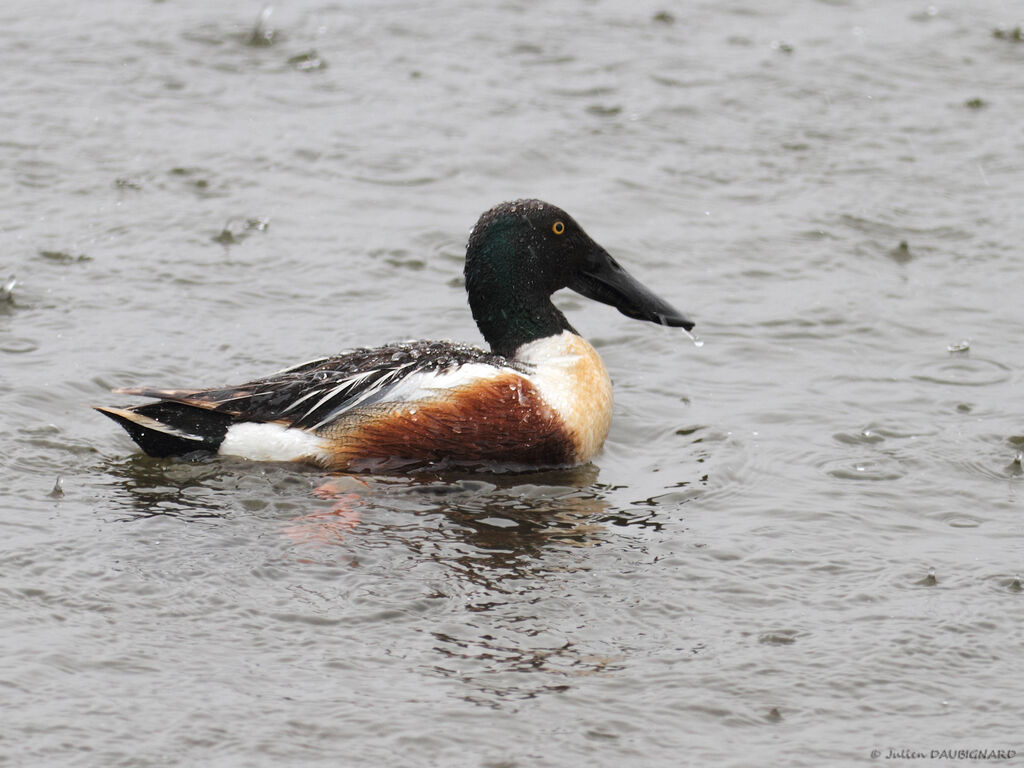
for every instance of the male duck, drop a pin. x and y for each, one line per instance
(540, 397)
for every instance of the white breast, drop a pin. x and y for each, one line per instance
(572, 380)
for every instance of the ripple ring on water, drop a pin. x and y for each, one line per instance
(865, 469)
(964, 372)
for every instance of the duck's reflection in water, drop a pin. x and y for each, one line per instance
(499, 556)
(502, 516)
(185, 489)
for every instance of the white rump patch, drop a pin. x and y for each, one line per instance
(271, 442)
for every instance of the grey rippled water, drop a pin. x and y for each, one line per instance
(802, 544)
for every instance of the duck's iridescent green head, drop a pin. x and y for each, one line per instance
(522, 252)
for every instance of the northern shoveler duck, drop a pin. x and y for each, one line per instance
(540, 398)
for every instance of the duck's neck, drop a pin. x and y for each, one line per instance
(509, 310)
(508, 327)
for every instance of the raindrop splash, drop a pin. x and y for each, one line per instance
(263, 34)
(7, 289)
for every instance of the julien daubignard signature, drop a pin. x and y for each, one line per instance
(944, 754)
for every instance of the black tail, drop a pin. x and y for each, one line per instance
(167, 428)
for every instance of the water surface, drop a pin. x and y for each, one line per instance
(803, 540)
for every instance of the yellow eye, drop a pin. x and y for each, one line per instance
(558, 227)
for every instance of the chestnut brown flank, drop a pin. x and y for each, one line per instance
(497, 420)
